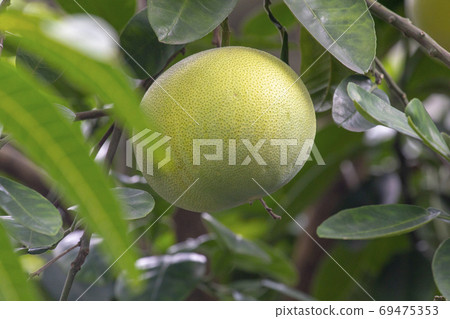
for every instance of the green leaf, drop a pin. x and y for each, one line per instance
(446, 138)
(364, 261)
(378, 111)
(250, 256)
(423, 125)
(27, 237)
(285, 290)
(86, 54)
(13, 284)
(344, 27)
(279, 267)
(375, 221)
(321, 76)
(233, 242)
(344, 111)
(441, 268)
(36, 66)
(167, 277)
(116, 12)
(183, 21)
(29, 208)
(138, 203)
(52, 142)
(141, 43)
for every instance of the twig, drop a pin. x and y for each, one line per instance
(52, 261)
(76, 264)
(113, 144)
(103, 140)
(269, 210)
(393, 86)
(284, 56)
(226, 33)
(410, 30)
(217, 37)
(93, 114)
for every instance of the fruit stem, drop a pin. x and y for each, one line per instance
(226, 32)
(269, 210)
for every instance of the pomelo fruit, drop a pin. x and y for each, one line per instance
(228, 100)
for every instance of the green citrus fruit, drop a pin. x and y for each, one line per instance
(432, 16)
(237, 99)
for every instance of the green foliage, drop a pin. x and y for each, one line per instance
(344, 27)
(116, 12)
(378, 111)
(31, 118)
(369, 222)
(29, 208)
(168, 277)
(92, 68)
(320, 71)
(57, 61)
(138, 203)
(179, 22)
(142, 48)
(27, 237)
(14, 285)
(441, 268)
(423, 125)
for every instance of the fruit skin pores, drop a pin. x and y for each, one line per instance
(232, 118)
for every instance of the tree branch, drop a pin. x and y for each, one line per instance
(410, 30)
(113, 144)
(393, 86)
(52, 261)
(93, 114)
(76, 265)
(269, 210)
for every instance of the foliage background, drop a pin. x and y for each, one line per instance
(238, 254)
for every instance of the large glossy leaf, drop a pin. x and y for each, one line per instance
(183, 21)
(13, 283)
(29, 208)
(344, 111)
(51, 141)
(233, 242)
(423, 125)
(138, 203)
(378, 111)
(167, 277)
(116, 12)
(375, 221)
(441, 268)
(140, 41)
(27, 237)
(344, 27)
(320, 71)
(86, 53)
